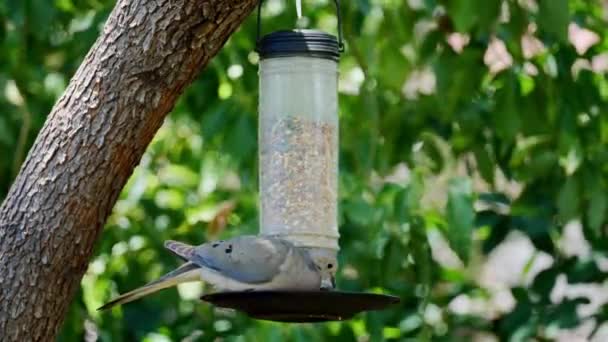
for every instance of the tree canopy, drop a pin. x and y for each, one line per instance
(473, 185)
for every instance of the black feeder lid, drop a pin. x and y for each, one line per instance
(306, 43)
(301, 306)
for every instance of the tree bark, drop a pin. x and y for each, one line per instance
(148, 52)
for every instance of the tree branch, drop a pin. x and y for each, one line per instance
(148, 52)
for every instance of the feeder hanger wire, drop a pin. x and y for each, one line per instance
(338, 15)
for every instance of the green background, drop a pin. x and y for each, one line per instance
(473, 154)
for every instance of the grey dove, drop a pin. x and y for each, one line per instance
(244, 263)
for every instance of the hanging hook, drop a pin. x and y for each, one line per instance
(259, 26)
(338, 15)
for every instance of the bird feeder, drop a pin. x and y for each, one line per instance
(298, 154)
(298, 134)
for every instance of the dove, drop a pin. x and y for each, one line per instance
(244, 263)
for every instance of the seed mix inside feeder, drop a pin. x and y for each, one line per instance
(298, 153)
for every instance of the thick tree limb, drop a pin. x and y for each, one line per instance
(148, 52)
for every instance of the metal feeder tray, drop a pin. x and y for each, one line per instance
(301, 306)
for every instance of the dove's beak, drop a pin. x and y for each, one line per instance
(328, 283)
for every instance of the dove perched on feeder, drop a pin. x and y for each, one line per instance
(245, 263)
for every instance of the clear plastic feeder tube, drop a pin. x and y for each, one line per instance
(298, 150)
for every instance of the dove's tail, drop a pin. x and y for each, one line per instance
(185, 273)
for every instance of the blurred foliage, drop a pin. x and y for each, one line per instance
(464, 124)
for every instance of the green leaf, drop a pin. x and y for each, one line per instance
(359, 212)
(526, 84)
(469, 13)
(518, 323)
(564, 315)
(596, 211)
(538, 229)
(241, 141)
(374, 326)
(2, 25)
(583, 271)
(604, 129)
(485, 165)
(544, 283)
(464, 14)
(65, 5)
(407, 201)
(380, 243)
(423, 260)
(506, 116)
(518, 24)
(460, 217)
(499, 226)
(346, 333)
(488, 11)
(458, 79)
(6, 136)
(42, 14)
(553, 18)
(568, 199)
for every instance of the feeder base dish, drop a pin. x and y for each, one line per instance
(301, 306)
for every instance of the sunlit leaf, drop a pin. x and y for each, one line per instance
(460, 217)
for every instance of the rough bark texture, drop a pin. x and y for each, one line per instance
(95, 135)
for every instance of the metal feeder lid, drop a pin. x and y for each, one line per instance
(301, 306)
(306, 43)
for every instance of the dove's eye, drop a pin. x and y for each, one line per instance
(330, 266)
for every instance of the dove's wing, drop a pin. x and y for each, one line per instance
(186, 272)
(180, 249)
(246, 259)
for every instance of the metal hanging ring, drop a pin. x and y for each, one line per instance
(338, 15)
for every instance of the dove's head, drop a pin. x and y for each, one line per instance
(326, 262)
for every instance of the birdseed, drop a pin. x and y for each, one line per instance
(298, 176)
